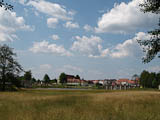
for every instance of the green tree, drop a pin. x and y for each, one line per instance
(8, 64)
(158, 78)
(28, 75)
(27, 82)
(144, 78)
(46, 79)
(34, 80)
(77, 77)
(5, 5)
(63, 78)
(151, 46)
(152, 81)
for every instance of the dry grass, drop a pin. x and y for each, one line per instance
(79, 105)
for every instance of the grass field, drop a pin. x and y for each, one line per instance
(79, 105)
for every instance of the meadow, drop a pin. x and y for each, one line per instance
(79, 105)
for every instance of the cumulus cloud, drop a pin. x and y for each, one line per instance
(87, 45)
(55, 37)
(88, 28)
(126, 17)
(71, 25)
(45, 47)
(92, 46)
(52, 22)
(9, 24)
(52, 9)
(130, 47)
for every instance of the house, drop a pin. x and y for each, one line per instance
(127, 82)
(72, 80)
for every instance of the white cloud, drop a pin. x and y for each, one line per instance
(126, 17)
(93, 47)
(55, 37)
(88, 28)
(129, 47)
(9, 24)
(45, 47)
(52, 22)
(87, 45)
(52, 9)
(71, 25)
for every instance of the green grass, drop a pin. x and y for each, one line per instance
(80, 105)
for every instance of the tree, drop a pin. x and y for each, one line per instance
(151, 46)
(46, 79)
(144, 78)
(149, 80)
(8, 64)
(34, 80)
(28, 75)
(158, 78)
(5, 5)
(63, 78)
(77, 77)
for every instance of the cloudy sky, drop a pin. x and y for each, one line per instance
(96, 39)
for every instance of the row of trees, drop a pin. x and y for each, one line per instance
(149, 80)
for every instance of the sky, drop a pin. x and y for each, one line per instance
(96, 39)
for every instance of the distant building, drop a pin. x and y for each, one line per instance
(72, 80)
(128, 82)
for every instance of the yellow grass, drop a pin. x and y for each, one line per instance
(79, 105)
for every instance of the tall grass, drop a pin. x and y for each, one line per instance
(79, 105)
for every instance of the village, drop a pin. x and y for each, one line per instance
(108, 84)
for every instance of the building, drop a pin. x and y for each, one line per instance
(72, 80)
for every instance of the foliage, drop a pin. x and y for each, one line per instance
(46, 79)
(28, 76)
(151, 6)
(5, 5)
(34, 80)
(149, 80)
(63, 78)
(77, 77)
(8, 64)
(151, 46)
(54, 81)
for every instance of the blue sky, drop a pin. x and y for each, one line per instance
(96, 39)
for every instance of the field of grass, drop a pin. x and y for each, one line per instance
(80, 105)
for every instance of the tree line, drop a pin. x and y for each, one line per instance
(149, 79)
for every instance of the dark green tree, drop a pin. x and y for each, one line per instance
(28, 75)
(27, 82)
(149, 80)
(5, 5)
(63, 78)
(152, 81)
(144, 78)
(152, 46)
(77, 77)
(8, 64)
(46, 79)
(34, 80)
(158, 78)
